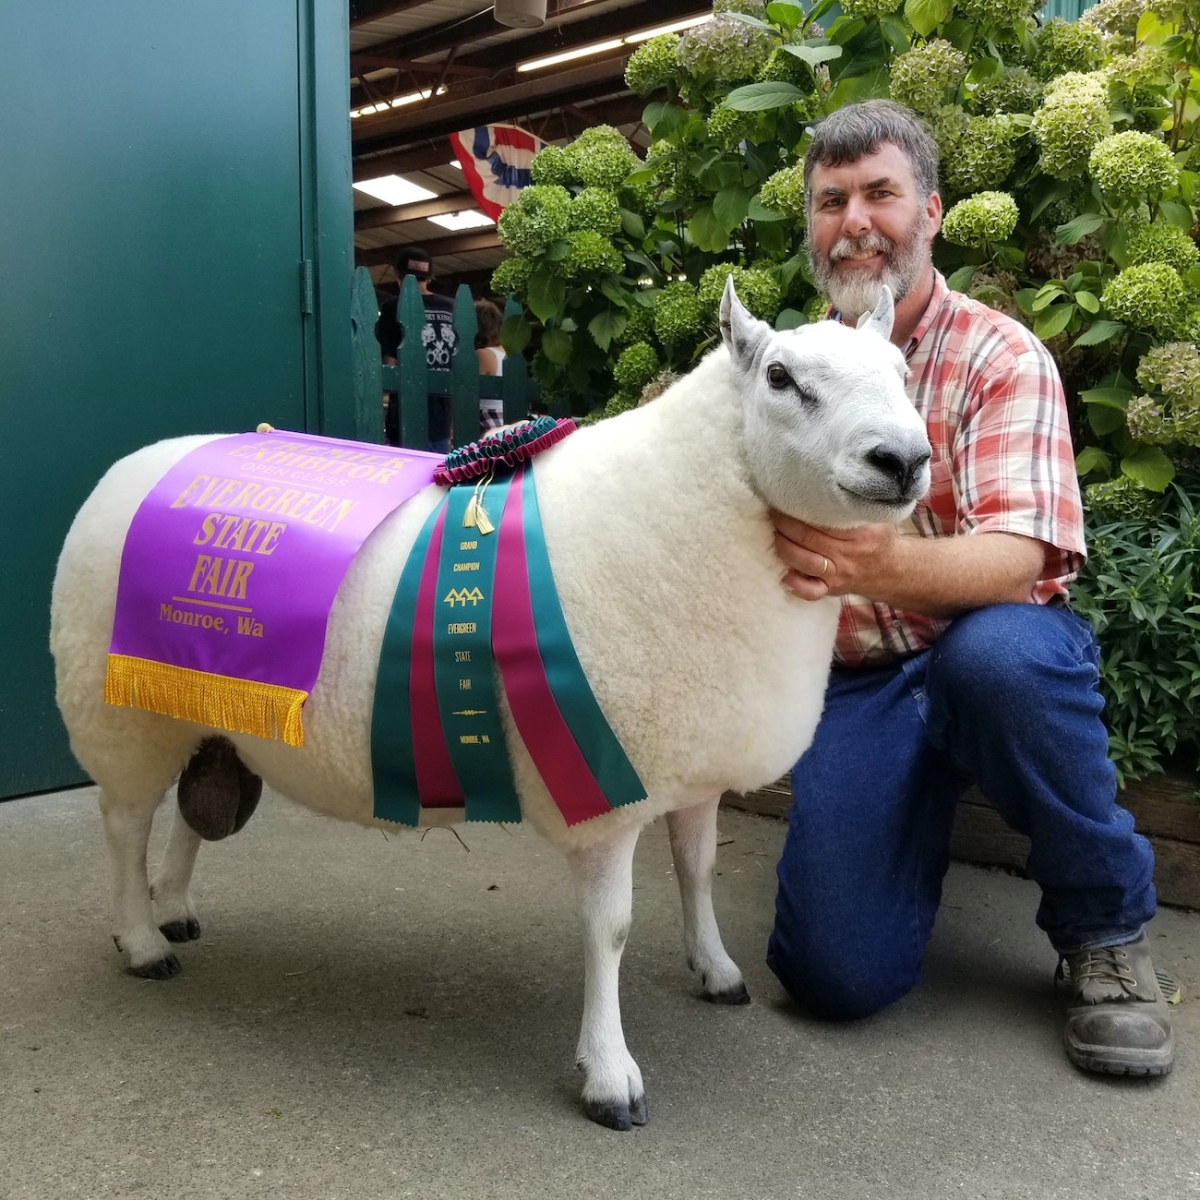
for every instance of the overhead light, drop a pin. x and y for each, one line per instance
(397, 102)
(468, 219)
(552, 60)
(675, 27)
(454, 163)
(536, 64)
(394, 190)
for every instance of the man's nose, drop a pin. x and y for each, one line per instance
(856, 219)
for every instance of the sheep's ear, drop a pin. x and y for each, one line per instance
(741, 332)
(881, 319)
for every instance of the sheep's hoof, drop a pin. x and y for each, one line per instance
(161, 968)
(181, 931)
(617, 1115)
(737, 995)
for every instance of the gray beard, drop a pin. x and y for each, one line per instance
(905, 266)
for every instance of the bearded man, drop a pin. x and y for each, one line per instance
(958, 659)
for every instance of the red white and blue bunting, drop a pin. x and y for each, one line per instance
(495, 160)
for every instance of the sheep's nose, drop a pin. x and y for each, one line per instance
(902, 468)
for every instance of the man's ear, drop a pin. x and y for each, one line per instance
(933, 210)
(741, 332)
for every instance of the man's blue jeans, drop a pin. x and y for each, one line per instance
(1007, 700)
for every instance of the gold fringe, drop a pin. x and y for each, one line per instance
(266, 710)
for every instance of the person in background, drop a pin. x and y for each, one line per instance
(437, 336)
(490, 354)
(958, 658)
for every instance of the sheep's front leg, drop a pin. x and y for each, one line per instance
(694, 848)
(177, 919)
(127, 829)
(613, 1093)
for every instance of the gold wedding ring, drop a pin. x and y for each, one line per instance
(824, 566)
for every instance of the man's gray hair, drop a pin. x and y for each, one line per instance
(857, 130)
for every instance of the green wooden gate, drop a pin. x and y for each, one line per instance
(413, 381)
(175, 257)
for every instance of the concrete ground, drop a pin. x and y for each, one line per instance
(370, 1018)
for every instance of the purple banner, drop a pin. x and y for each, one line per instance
(232, 563)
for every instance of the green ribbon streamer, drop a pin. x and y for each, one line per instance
(572, 692)
(462, 659)
(392, 763)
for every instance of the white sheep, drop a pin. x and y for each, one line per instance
(710, 672)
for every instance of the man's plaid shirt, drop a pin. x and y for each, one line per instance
(994, 409)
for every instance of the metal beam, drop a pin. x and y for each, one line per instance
(377, 218)
(438, 117)
(363, 12)
(460, 243)
(617, 23)
(622, 110)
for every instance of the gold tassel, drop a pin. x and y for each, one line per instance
(475, 516)
(266, 710)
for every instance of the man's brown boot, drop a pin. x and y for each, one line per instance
(1118, 1021)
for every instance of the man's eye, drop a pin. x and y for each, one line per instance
(777, 377)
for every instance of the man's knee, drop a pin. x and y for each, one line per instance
(1005, 653)
(836, 986)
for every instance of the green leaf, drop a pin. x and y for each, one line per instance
(515, 333)
(1080, 226)
(546, 294)
(984, 69)
(895, 33)
(1152, 30)
(1105, 420)
(815, 55)
(787, 14)
(1047, 296)
(1099, 333)
(640, 260)
(556, 346)
(1056, 190)
(1087, 301)
(961, 279)
(790, 318)
(758, 97)
(746, 19)
(1053, 321)
(1150, 467)
(756, 211)
(772, 238)
(1108, 397)
(730, 206)
(607, 325)
(633, 224)
(557, 251)
(926, 15)
(1025, 298)
(662, 119)
(612, 287)
(706, 230)
(1176, 214)
(1092, 458)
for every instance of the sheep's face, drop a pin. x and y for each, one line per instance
(831, 435)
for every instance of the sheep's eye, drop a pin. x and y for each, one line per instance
(777, 377)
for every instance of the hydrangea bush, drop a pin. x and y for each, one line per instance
(1070, 183)
(1070, 175)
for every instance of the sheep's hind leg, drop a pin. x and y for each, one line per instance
(177, 920)
(127, 829)
(694, 848)
(613, 1093)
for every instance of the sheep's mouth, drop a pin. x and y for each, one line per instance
(895, 499)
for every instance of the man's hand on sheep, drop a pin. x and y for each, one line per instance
(835, 562)
(940, 577)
